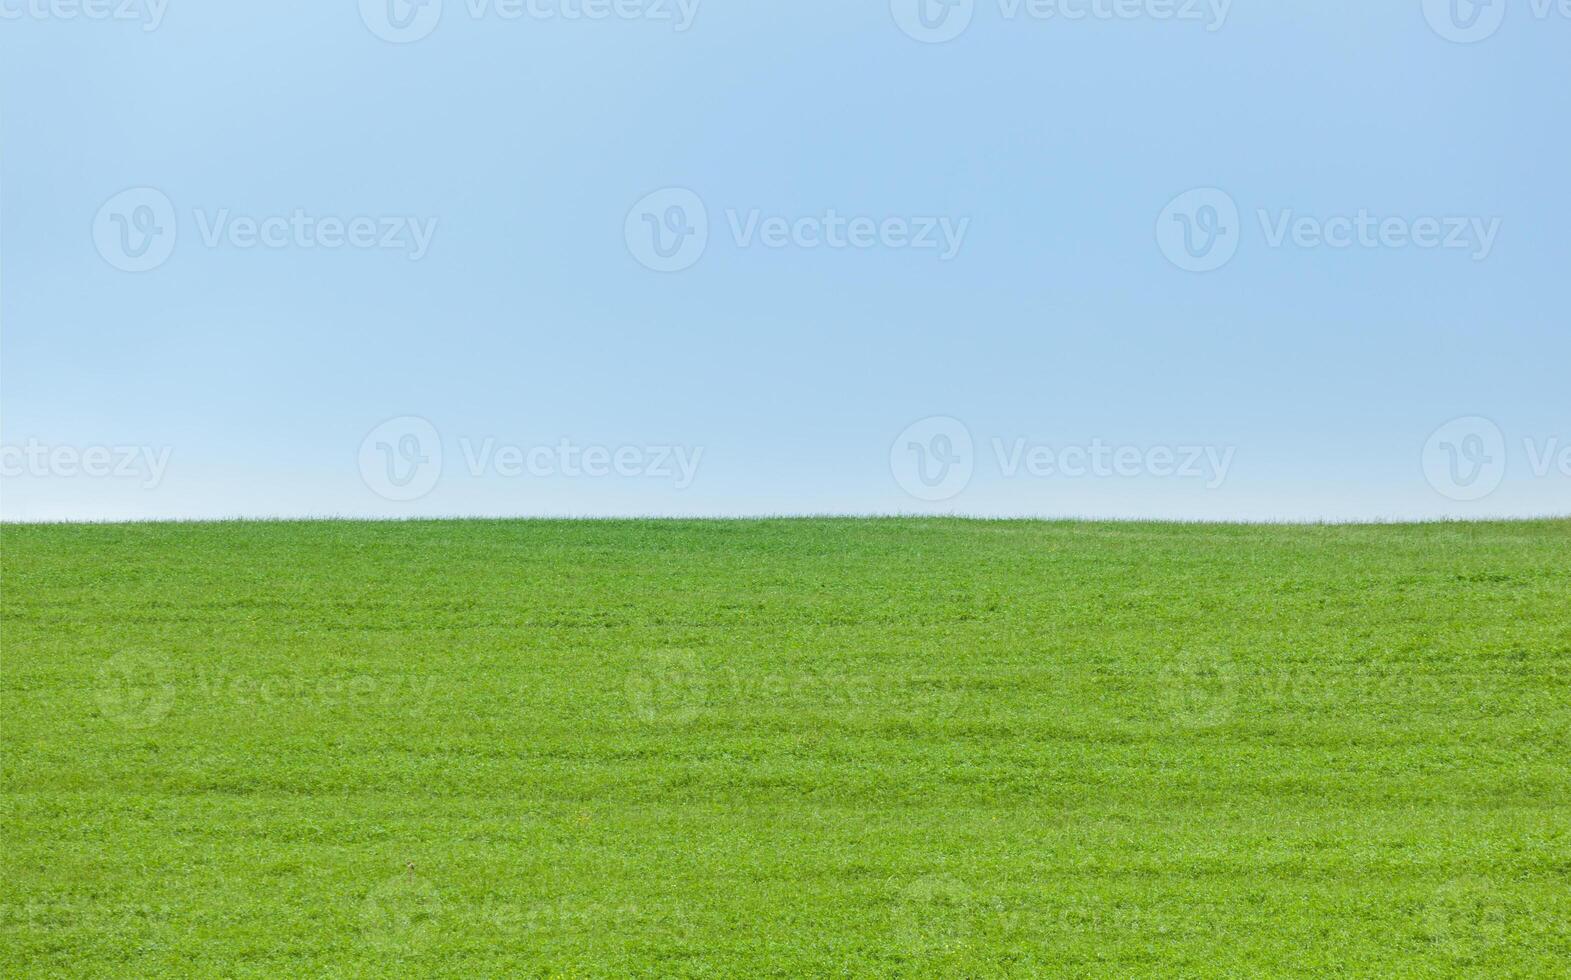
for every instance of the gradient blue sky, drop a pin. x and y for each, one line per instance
(530, 321)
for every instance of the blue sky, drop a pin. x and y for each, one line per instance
(1287, 260)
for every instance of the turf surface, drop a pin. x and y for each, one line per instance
(785, 748)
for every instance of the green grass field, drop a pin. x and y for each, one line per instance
(785, 748)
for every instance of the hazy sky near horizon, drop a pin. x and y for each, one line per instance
(1211, 260)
